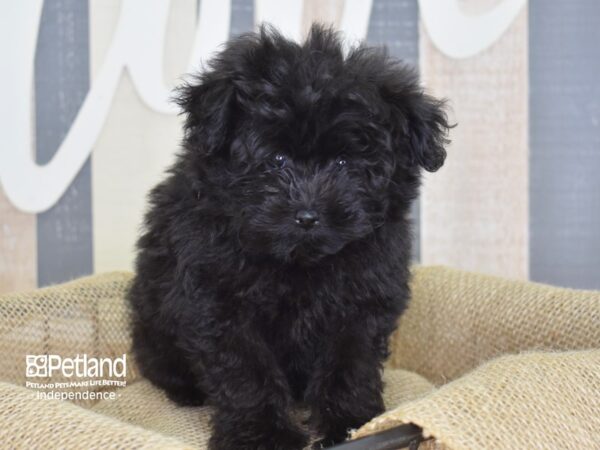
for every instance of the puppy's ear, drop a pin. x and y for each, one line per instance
(419, 121)
(208, 104)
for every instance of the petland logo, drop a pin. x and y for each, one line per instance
(86, 378)
(81, 366)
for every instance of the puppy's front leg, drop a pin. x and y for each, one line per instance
(249, 391)
(345, 391)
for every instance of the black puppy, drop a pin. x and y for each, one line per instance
(274, 261)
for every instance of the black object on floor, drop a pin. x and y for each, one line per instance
(404, 436)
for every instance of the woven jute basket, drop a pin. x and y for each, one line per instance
(477, 361)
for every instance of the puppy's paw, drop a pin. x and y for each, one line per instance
(288, 439)
(334, 427)
(331, 438)
(186, 397)
(259, 437)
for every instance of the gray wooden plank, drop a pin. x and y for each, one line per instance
(565, 142)
(242, 16)
(395, 24)
(64, 232)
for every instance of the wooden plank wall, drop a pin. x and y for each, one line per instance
(518, 197)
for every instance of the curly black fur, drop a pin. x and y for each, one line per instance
(274, 261)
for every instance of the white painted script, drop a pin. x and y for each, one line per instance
(137, 46)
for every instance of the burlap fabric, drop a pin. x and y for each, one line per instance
(447, 372)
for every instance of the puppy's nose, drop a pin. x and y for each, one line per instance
(307, 218)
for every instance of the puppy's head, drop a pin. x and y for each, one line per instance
(305, 147)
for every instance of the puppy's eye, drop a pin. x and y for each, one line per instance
(279, 160)
(341, 161)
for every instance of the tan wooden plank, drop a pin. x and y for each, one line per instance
(328, 12)
(18, 261)
(136, 143)
(475, 210)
